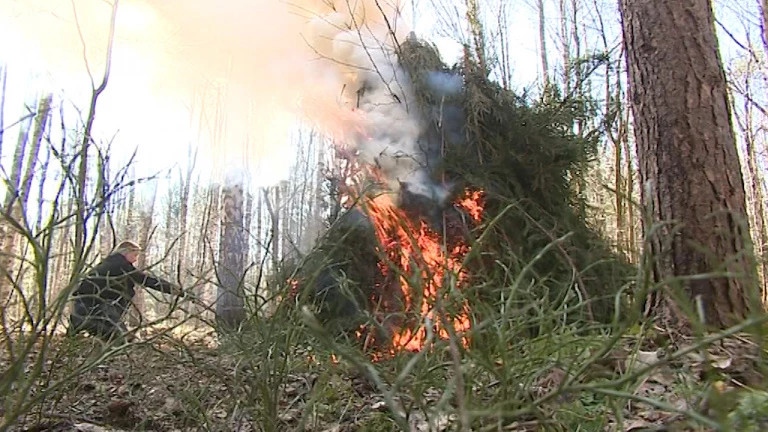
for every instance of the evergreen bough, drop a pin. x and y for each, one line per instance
(525, 157)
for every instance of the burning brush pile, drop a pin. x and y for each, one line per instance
(453, 186)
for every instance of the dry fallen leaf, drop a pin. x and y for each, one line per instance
(723, 363)
(119, 408)
(379, 406)
(87, 427)
(638, 425)
(641, 359)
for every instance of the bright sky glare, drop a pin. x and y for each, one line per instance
(134, 115)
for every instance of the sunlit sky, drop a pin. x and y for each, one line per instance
(141, 111)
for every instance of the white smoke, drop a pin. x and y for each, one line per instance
(383, 122)
(247, 67)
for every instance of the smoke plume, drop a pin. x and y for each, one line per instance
(248, 69)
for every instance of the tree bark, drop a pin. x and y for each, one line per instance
(689, 165)
(16, 199)
(129, 231)
(286, 231)
(183, 216)
(543, 44)
(274, 215)
(146, 216)
(3, 86)
(259, 228)
(247, 227)
(230, 310)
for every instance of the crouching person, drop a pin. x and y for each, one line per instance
(104, 295)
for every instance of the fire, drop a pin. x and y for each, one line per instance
(426, 264)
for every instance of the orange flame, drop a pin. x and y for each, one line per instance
(425, 264)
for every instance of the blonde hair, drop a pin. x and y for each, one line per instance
(126, 247)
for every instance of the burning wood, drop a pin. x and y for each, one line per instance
(421, 267)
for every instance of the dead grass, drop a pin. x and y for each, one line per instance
(168, 384)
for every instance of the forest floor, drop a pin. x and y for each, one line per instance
(168, 384)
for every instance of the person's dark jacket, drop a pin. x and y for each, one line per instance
(109, 287)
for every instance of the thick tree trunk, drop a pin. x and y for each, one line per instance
(230, 310)
(689, 166)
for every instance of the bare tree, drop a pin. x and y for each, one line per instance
(80, 224)
(184, 209)
(17, 196)
(543, 43)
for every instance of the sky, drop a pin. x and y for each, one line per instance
(206, 73)
(153, 94)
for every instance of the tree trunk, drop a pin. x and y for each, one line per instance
(160, 300)
(183, 216)
(764, 24)
(130, 213)
(744, 119)
(230, 310)
(16, 199)
(41, 190)
(146, 217)
(260, 252)
(85, 143)
(247, 227)
(274, 214)
(630, 191)
(3, 86)
(40, 127)
(286, 234)
(318, 205)
(756, 184)
(543, 44)
(689, 165)
(211, 237)
(10, 235)
(104, 215)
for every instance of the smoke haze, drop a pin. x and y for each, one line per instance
(244, 68)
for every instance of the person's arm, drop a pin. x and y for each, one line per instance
(155, 283)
